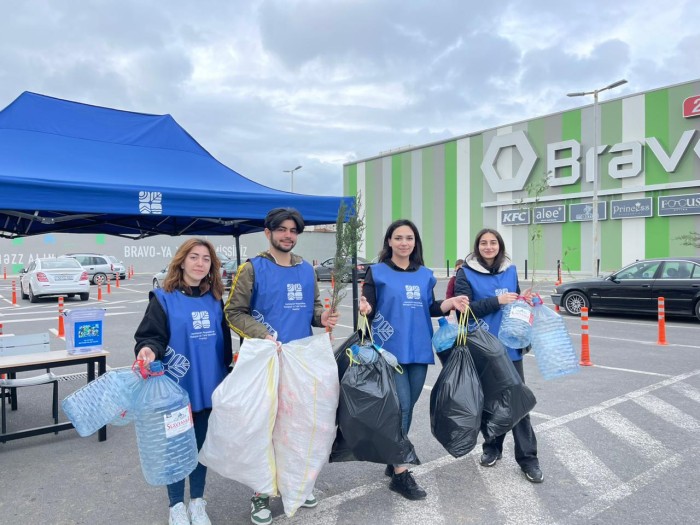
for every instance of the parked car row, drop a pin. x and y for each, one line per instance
(324, 270)
(68, 275)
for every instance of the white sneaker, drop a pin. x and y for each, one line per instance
(198, 514)
(178, 515)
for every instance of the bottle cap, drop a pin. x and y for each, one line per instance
(156, 366)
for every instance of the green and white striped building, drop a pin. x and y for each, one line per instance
(649, 189)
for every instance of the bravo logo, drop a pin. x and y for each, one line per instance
(564, 160)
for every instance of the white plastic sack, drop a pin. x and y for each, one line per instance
(305, 427)
(244, 407)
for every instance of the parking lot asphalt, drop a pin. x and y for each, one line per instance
(618, 442)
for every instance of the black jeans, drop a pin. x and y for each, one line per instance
(523, 435)
(176, 491)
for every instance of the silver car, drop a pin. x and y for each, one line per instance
(118, 266)
(98, 266)
(51, 277)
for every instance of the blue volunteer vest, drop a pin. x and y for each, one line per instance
(487, 285)
(402, 322)
(195, 355)
(283, 298)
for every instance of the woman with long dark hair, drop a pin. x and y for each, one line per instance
(184, 327)
(490, 280)
(398, 295)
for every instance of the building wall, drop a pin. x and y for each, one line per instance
(443, 189)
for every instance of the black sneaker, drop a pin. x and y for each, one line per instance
(405, 485)
(389, 470)
(489, 458)
(534, 474)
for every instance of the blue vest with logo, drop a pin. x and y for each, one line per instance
(195, 355)
(402, 321)
(283, 298)
(487, 285)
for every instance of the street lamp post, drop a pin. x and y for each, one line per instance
(595, 225)
(291, 172)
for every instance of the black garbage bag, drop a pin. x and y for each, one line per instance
(340, 352)
(369, 418)
(456, 402)
(506, 398)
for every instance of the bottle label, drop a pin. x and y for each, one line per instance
(177, 422)
(521, 314)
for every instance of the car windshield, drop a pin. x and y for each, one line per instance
(112, 258)
(60, 264)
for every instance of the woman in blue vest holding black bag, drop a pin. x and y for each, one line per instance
(184, 327)
(398, 295)
(490, 281)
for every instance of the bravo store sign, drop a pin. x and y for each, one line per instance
(627, 161)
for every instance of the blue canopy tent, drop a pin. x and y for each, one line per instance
(74, 168)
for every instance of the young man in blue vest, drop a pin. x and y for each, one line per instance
(275, 296)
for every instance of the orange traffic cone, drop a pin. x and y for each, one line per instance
(99, 292)
(61, 328)
(662, 323)
(14, 293)
(109, 285)
(585, 347)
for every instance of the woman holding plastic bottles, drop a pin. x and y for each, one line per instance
(490, 280)
(184, 327)
(398, 295)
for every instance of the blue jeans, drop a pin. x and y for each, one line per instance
(176, 491)
(409, 386)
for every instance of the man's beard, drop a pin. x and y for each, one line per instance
(277, 246)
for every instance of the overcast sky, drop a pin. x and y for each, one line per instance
(266, 85)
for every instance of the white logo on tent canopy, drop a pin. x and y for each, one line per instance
(150, 202)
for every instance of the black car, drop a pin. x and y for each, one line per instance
(636, 288)
(324, 270)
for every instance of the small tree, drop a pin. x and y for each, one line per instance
(534, 190)
(349, 232)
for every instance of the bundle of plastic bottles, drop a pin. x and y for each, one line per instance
(445, 336)
(551, 343)
(159, 408)
(516, 324)
(369, 353)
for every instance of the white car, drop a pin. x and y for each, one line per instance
(46, 277)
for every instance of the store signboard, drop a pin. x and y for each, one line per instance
(549, 214)
(584, 211)
(679, 205)
(515, 217)
(631, 208)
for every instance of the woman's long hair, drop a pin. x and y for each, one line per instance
(500, 256)
(416, 256)
(174, 280)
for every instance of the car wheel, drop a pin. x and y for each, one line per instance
(21, 292)
(99, 278)
(85, 296)
(697, 310)
(574, 301)
(156, 284)
(32, 298)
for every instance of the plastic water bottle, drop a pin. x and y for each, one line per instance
(130, 381)
(551, 344)
(388, 356)
(364, 354)
(516, 324)
(164, 430)
(445, 336)
(94, 405)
